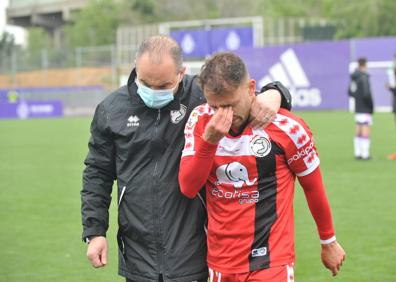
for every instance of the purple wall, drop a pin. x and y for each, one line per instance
(31, 109)
(375, 49)
(318, 73)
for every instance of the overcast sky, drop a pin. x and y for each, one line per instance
(16, 31)
(3, 5)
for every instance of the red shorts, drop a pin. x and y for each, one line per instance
(284, 273)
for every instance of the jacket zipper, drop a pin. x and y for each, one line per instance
(122, 195)
(121, 239)
(157, 224)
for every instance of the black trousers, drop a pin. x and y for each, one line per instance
(160, 279)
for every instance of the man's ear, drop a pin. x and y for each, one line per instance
(182, 72)
(252, 87)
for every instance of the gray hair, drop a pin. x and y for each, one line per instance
(159, 45)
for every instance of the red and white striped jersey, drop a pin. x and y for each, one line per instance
(250, 190)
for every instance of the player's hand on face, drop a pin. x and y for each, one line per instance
(261, 114)
(219, 125)
(333, 256)
(97, 251)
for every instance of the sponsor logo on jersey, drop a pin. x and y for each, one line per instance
(133, 121)
(259, 252)
(243, 197)
(301, 153)
(235, 174)
(260, 146)
(177, 116)
(290, 72)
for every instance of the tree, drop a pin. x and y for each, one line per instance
(365, 18)
(38, 40)
(7, 43)
(94, 25)
(356, 18)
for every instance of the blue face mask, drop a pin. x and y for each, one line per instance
(155, 99)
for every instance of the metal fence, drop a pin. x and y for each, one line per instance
(121, 55)
(80, 78)
(22, 60)
(108, 66)
(18, 63)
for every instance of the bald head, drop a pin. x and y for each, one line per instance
(159, 46)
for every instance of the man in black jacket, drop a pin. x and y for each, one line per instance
(360, 89)
(137, 139)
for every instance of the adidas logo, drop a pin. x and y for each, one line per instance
(292, 75)
(133, 121)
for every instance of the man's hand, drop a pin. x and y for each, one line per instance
(97, 251)
(264, 108)
(218, 126)
(332, 257)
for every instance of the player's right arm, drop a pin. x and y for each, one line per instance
(98, 177)
(200, 148)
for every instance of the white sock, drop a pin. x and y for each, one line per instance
(356, 143)
(365, 147)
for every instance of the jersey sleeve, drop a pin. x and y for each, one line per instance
(318, 203)
(298, 143)
(192, 132)
(302, 158)
(197, 156)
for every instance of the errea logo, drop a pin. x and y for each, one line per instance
(290, 72)
(133, 121)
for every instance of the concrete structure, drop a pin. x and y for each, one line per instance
(48, 14)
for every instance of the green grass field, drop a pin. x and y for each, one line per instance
(40, 179)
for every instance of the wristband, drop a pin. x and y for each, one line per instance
(328, 241)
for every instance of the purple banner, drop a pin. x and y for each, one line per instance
(374, 49)
(194, 42)
(230, 39)
(198, 43)
(31, 109)
(316, 73)
(4, 95)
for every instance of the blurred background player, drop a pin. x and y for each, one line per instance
(360, 90)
